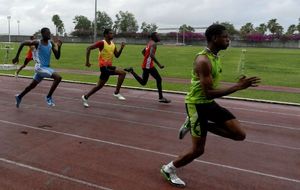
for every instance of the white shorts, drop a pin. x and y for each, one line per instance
(42, 72)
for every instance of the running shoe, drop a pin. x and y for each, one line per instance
(84, 101)
(119, 96)
(164, 100)
(170, 175)
(185, 128)
(128, 69)
(18, 100)
(50, 101)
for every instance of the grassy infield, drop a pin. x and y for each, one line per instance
(276, 67)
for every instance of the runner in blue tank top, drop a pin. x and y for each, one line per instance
(41, 56)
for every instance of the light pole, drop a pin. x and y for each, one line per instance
(18, 27)
(8, 19)
(95, 23)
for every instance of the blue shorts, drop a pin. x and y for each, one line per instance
(42, 72)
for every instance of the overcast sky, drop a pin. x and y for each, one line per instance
(35, 14)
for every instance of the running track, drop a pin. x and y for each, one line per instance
(121, 145)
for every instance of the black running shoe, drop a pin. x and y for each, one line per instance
(164, 100)
(129, 69)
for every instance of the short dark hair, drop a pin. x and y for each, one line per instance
(152, 35)
(214, 30)
(43, 30)
(106, 31)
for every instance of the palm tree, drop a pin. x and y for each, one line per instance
(274, 27)
(58, 24)
(262, 28)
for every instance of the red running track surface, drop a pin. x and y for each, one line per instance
(121, 145)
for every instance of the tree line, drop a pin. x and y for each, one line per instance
(125, 22)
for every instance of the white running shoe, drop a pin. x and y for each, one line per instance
(170, 175)
(119, 96)
(84, 101)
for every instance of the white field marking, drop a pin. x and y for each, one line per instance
(157, 110)
(263, 111)
(154, 152)
(158, 126)
(269, 125)
(114, 104)
(271, 144)
(146, 124)
(53, 174)
(94, 115)
(169, 128)
(250, 171)
(170, 91)
(262, 143)
(175, 112)
(176, 92)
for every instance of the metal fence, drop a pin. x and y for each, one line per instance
(132, 40)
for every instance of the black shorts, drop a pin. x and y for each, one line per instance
(106, 71)
(200, 114)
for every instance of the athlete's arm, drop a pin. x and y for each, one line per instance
(96, 45)
(203, 68)
(118, 53)
(152, 55)
(144, 51)
(25, 43)
(56, 51)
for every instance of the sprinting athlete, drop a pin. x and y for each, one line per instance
(41, 55)
(203, 112)
(148, 67)
(28, 57)
(107, 50)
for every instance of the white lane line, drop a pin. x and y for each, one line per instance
(264, 111)
(155, 152)
(95, 115)
(269, 125)
(229, 107)
(250, 171)
(53, 174)
(156, 110)
(271, 144)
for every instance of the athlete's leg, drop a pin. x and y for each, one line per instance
(100, 84)
(223, 122)
(198, 145)
(57, 78)
(103, 78)
(121, 76)
(229, 129)
(26, 61)
(155, 74)
(142, 80)
(31, 86)
(169, 170)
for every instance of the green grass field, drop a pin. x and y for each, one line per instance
(276, 67)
